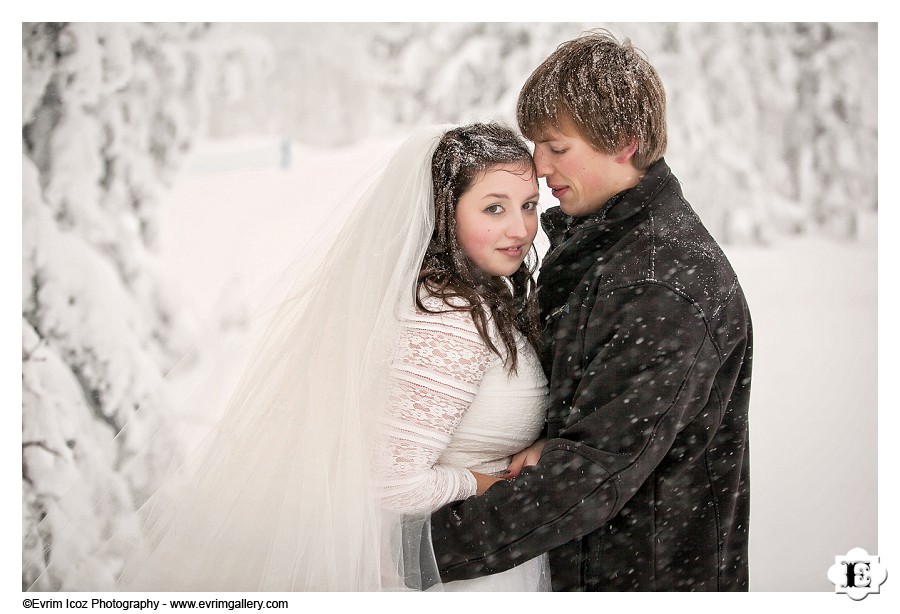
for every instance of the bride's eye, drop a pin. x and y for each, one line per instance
(494, 209)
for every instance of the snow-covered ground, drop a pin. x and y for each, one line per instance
(813, 407)
(237, 217)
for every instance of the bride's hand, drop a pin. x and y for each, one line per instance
(527, 457)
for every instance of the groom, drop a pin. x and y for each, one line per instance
(643, 483)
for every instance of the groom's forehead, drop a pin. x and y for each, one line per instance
(554, 128)
(550, 132)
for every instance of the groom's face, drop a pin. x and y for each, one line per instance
(580, 176)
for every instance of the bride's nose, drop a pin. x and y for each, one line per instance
(517, 227)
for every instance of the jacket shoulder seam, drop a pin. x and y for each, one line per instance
(680, 292)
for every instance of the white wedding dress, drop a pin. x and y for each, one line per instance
(281, 495)
(454, 406)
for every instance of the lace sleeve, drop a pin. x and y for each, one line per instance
(434, 377)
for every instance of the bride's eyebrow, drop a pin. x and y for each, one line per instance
(501, 196)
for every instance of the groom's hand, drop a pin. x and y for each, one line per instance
(484, 481)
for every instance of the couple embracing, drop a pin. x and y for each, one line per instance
(642, 482)
(429, 411)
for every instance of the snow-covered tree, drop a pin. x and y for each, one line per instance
(773, 128)
(108, 113)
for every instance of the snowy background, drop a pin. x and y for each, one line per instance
(171, 172)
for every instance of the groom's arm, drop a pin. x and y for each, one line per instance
(622, 421)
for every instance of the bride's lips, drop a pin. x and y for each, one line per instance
(513, 251)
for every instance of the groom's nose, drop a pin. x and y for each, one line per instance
(541, 163)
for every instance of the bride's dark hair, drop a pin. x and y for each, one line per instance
(463, 155)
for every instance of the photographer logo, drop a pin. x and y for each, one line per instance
(857, 574)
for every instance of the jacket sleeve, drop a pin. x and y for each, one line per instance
(434, 378)
(632, 381)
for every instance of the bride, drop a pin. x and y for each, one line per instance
(400, 374)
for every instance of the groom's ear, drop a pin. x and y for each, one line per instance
(627, 153)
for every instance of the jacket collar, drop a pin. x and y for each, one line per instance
(559, 226)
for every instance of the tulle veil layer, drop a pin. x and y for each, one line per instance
(279, 495)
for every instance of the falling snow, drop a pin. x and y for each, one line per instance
(161, 200)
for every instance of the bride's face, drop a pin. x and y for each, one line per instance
(497, 218)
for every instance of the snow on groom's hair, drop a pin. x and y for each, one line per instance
(603, 88)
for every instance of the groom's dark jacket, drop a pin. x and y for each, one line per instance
(644, 481)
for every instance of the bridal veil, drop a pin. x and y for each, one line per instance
(280, 496)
